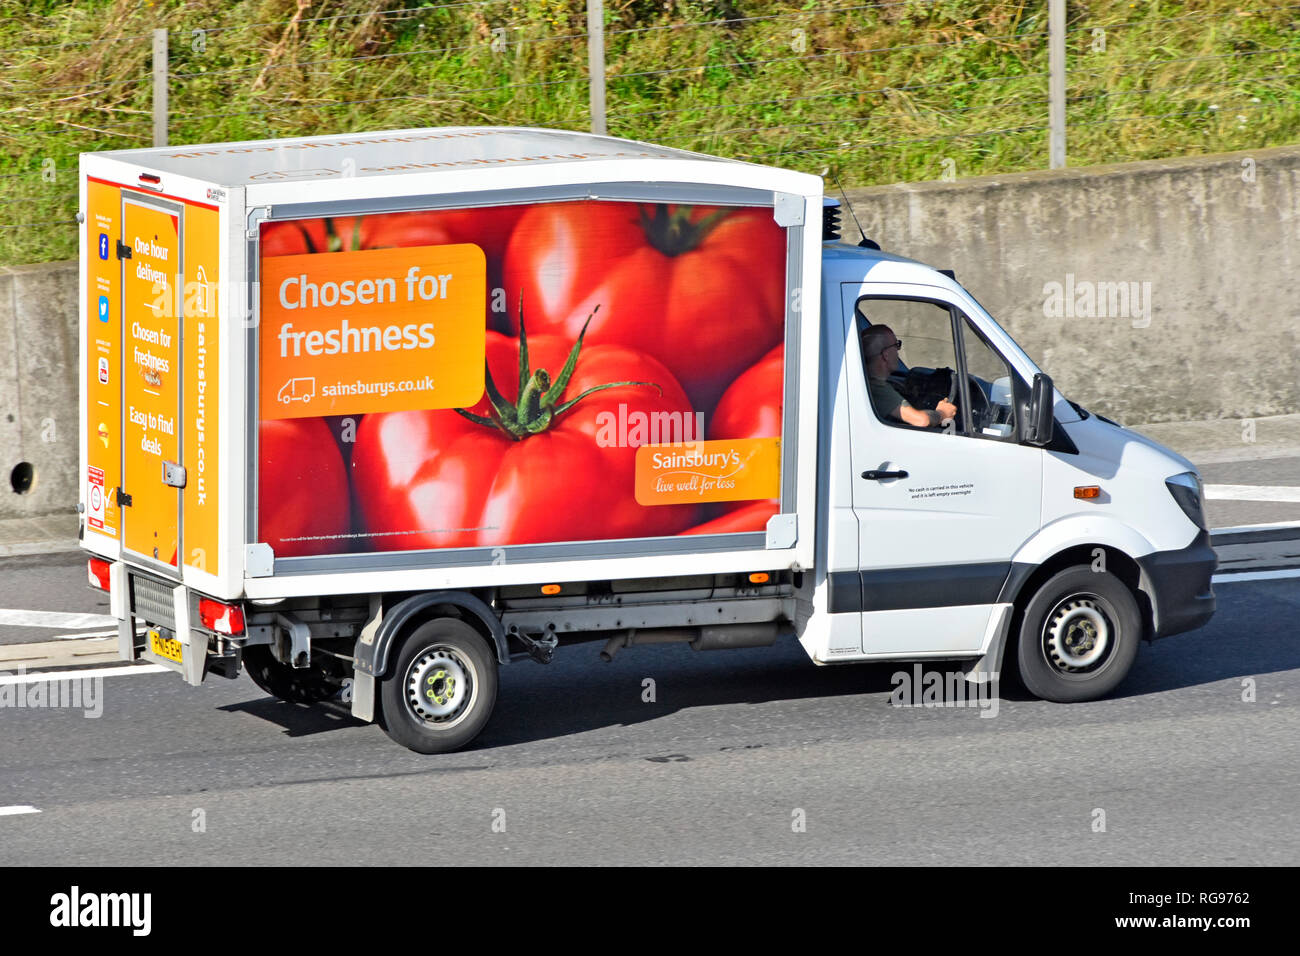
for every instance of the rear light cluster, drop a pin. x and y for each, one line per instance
(221, 618)
(97, 570)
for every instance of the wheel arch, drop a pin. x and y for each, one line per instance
(373, 658)
(1025, 580)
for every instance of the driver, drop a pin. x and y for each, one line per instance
(880, 346)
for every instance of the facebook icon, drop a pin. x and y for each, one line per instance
(103, 245)
(103, 308)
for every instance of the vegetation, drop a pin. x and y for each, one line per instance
(877, 90)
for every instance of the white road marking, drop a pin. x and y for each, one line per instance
(1253, 492)
(14, 811)
(1256, 527)
(82, 635)
(13, 617)
(37, 676)
(1242, 576)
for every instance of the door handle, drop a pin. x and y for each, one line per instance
(173, 474)
(882, 475)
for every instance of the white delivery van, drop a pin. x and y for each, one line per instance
(375, 414)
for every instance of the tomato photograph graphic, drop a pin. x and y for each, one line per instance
(751, 407)
(535, 460)
(700, 288)
(488, 227)
(302, 489)
(631, 310)
(748, 516)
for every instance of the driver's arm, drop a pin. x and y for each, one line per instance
(916, 417)
(926, 418)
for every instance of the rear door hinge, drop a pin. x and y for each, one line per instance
(121, 498)
(123, 250)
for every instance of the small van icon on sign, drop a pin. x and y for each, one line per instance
(297, 390)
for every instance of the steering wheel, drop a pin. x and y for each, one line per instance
(981, 411)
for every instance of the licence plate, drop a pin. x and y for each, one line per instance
(167, 647)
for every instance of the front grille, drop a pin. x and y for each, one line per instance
(152, 601)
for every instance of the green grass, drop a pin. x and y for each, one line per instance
(877, 90)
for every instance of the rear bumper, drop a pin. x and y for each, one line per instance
(1178, 584)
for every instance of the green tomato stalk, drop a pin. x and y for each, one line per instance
(535, 409)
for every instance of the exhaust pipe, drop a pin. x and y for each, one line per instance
(654, 635)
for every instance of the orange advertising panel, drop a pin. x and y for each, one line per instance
(372, 331)
(614, 341)
(202, 238)
(152, 373)
(728, 470)
(103, 374)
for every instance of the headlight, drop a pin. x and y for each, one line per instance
(1186, 489)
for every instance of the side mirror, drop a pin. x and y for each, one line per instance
(1041, 421)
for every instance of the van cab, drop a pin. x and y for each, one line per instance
(938, 536)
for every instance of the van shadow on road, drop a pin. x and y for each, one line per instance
(1251, 635)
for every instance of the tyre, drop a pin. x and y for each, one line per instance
(1079, 636)
(298, 686)
(441, 689)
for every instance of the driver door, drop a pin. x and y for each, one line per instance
(936, 542)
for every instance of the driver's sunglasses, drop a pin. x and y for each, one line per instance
(897, 345)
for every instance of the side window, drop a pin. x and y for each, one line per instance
(907, 385)
(993, 407)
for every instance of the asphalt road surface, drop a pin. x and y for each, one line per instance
(752, 756)
(743, 757)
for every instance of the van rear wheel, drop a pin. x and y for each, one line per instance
(441, 689)
(1079, 636)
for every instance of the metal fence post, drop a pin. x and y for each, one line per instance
(1056, 81)
(160, 87)
(596, 63)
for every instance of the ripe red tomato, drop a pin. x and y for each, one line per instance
(436, 479)
(750, 516)
(751, 407)
(701, 289)
(488, 227)
(299, 236)
(303, 504)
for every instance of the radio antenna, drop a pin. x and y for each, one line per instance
(847, 204)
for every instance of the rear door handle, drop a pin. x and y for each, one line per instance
(882, 475)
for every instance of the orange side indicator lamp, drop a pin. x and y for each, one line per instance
(759, 577)
(550, 589)
(1087, 491)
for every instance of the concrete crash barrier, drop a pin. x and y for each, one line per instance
(38, 389)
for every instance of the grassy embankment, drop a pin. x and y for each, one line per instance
(899, 90)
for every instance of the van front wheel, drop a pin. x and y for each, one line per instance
(1079, 636)
(441, 689)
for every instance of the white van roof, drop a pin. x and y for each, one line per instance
(351, 155)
